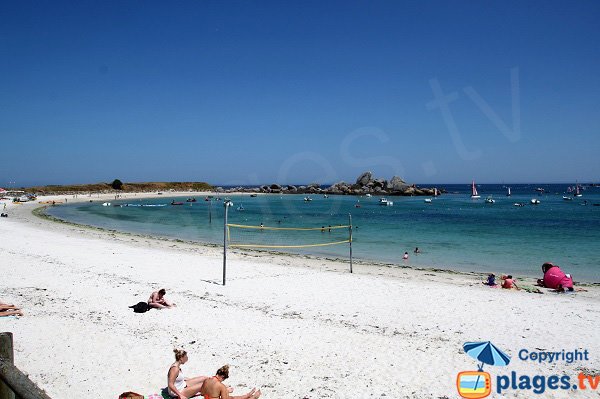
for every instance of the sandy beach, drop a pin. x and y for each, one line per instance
(294, 326)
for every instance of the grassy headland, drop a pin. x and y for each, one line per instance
(126, 187)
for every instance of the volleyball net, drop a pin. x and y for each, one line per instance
(265, 237)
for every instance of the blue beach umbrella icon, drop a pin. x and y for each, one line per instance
(486, 353)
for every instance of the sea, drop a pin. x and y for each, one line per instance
(452, 231)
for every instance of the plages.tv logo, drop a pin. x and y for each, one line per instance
(478, 384)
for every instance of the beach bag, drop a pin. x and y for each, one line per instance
(130, 395)
(140, 307)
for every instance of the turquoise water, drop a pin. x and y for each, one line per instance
(452, 232)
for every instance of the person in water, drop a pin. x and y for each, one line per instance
(177, 385)
(555, 278)
(417, 250)
(405, 256)
(157, 300)
(213, 388)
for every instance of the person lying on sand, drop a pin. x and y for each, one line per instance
(213, 388)
(157, 300)
(7, 309)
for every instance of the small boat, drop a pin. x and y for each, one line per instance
(428, 200)
(384, 201)
(508, 194)
(307, 199)
(567, 198)
(190, 200)
(357, 205)
(519, 204)
(474, 193)
(176, 203)
(540, 190)
(106, 204)
(325, 196)
(490, 200)
(535, 201)
(241, 207)
(253, 195)
(368, 195)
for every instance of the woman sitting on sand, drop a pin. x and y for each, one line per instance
(177, 385)
(7, 309)
(555, 278)
(213, 388)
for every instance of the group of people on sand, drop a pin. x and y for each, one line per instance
(8, 309)
(209, 387)
(553, 278)
(178, 386)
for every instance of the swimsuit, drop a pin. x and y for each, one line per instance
(179, 384)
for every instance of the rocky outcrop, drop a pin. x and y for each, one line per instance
(364, 179)
(365, 184)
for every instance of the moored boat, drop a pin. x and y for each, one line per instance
(474, 193)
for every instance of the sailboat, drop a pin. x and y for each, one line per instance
(577, 191)
(508, 194)
(435, 192)
(474, 193)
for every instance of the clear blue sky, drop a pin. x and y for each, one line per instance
(245, 92)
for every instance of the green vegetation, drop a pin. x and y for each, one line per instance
(117, 184)
(126, 187)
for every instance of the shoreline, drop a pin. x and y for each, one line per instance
(296, 327)
(358, 261)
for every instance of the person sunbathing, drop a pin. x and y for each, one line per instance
(213, 388)
(157, 300)
(7, 309)
(177, 385)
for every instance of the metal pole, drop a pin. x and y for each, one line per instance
(350, 241)
(226, 205)
(210, 211)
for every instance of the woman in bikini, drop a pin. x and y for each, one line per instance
(177, 385)
(213, 388)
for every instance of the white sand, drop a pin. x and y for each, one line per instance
(296, 327)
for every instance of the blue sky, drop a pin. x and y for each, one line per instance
(244, 92)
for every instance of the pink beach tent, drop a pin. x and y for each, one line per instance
(555, 277)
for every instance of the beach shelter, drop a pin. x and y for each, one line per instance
(487, 353)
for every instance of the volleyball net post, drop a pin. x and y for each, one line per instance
(226, 205)
(350, 238)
